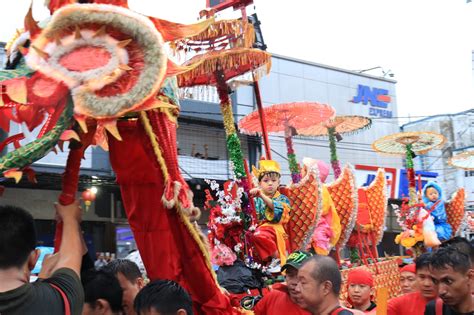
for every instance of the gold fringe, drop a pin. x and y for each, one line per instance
(183, 217)
(239, 60)
(225, 28)
(155, 145)
(228, 118)
(197, 239)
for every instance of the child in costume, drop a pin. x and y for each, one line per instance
(328, 230)
(434, 204)
(273, 212)
(360, 290)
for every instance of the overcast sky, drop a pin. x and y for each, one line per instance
(426, 44)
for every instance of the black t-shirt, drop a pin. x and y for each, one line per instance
(430, 309)
(40, 297)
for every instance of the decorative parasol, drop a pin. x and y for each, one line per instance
(225, 34)
(409, 144)
(339, 125)
(463, 160)
(290, 118)
(217, 67)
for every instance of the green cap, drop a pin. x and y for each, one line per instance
(296, 259)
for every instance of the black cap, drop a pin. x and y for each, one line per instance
(296, 259)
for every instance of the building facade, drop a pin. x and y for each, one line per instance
(459, 132)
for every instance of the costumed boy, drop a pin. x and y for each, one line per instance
(360, 290)
(273, 212)
(434, 204)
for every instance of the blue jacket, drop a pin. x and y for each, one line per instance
(443, 229)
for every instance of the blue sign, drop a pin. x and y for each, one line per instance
(403, 184)
(378, 99)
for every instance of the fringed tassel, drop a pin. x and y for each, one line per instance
(206, 65)
(197, 238)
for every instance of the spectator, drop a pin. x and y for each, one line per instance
(61, 291)
(415, 302)
(360, 290)
(408, 278)
(284, 299)
(319, 284)
(452, 273)
(102, 293)
(100, 262)
(163, 297)
(463, 245)
(130, 280)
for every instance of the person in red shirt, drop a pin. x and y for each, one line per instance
(319, 283)
(360, 290)
(408, 278)
(414, 303)
(283, 299)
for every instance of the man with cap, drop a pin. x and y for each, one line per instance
(284, 299)
(360, 290)
(408, 278)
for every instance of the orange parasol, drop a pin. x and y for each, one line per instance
(339, 125)
(290, 118)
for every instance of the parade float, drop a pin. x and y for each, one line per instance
(360, 223)
(424, 223)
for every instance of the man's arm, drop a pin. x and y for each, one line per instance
(71, 250)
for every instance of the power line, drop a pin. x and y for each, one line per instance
(243, 115)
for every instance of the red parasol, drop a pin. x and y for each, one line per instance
(290, 118)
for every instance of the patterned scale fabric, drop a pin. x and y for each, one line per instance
(388, 277)
(344, 196)
(455, 209)
(377, 203)
(305, 206)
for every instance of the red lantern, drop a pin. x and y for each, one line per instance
(88, 196)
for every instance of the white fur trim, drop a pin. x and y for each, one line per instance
(140, 29)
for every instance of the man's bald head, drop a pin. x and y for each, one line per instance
(324, 268)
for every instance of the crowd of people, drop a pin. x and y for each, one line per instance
(68, 282)
(440, 282)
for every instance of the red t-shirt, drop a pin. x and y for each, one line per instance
(411, 303)
(278, 302)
